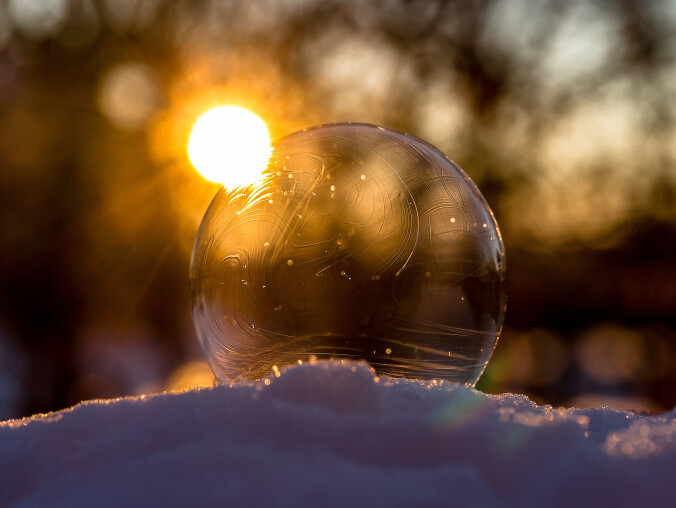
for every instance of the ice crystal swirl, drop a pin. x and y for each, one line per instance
(359, 243)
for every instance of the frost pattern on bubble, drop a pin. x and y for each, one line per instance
(360, 243)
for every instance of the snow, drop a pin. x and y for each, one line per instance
(333, 434)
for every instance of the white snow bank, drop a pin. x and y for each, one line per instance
(332, 434)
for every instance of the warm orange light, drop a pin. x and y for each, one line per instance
(230, 145)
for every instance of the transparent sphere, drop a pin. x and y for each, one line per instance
(360, 243)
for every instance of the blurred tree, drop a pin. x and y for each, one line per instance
(563, 114)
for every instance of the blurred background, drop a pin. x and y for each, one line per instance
(563, 113)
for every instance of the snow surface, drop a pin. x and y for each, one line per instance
(333, 434)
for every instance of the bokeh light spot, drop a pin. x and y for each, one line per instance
(38, 18)
(129, 95)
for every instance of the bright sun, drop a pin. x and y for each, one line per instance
(229, 145)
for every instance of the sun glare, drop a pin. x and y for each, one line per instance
(230, 145)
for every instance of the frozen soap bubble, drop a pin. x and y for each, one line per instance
(359, 243)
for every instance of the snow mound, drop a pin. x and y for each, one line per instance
(334, 434)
